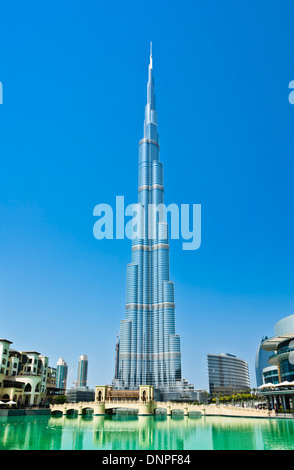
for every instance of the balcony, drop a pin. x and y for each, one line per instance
(12, 384)
(28, 374)
(280, 356)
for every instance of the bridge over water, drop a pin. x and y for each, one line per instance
(144, 408)
(142, 400)
(108, 400)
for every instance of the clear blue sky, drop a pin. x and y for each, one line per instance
(74, 80)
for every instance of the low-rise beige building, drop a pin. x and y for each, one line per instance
(24, 375)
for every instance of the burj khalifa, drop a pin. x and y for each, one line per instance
(149, 348)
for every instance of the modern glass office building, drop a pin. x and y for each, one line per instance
(82, 371)
(264, 372)
(227, 374)
(149, 348)
(279, 386)
(281, 348)
(261, 361)
(61, 373)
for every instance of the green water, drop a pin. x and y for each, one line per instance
(146, 433)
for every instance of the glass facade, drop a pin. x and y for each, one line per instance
(227, 374)
(287, 371)
(270, 375)
(82, 371)
(281, 347)
(149, 349)
(282, 355)
(61, 373)
(261, 362)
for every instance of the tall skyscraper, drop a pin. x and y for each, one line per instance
(261, 363)
(149, 349)
(61, 374)
(116, 359)
(82, 371)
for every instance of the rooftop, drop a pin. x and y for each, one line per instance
(31, 352)
(271, 344)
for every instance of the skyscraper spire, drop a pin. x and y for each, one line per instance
(150, 84)
(150, 55)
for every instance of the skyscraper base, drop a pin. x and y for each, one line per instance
(182, 391)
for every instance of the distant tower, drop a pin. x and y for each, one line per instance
(261, 362)
(116, 358)
(82, 371)
(61, 374)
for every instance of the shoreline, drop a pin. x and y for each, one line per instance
(239, 412)
(25, 412)
(204, 411)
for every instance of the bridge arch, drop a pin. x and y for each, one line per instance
(177, 412)
(88, 410)
(160, 411)
(72, 411)
(124, 409)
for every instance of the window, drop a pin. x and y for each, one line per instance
(28, 388)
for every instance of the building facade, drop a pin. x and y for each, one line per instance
(227, 374)
(149, 349)
(24, 375)
(61, 373)
(78, 394)
(116, 369)
(82, 371)
(263, 371)
(281, 348)
(270, 374)
(278, 388)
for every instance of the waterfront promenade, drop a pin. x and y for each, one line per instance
(239, 411)
(25, 411)
(168, 408)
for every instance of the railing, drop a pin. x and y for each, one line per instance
(106, 402)
(285, 351)
(32, 374)
(119, 400)
(133, 402)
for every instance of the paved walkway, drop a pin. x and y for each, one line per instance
(230, 410)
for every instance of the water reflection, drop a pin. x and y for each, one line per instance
(145, 433)
(251, 434)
